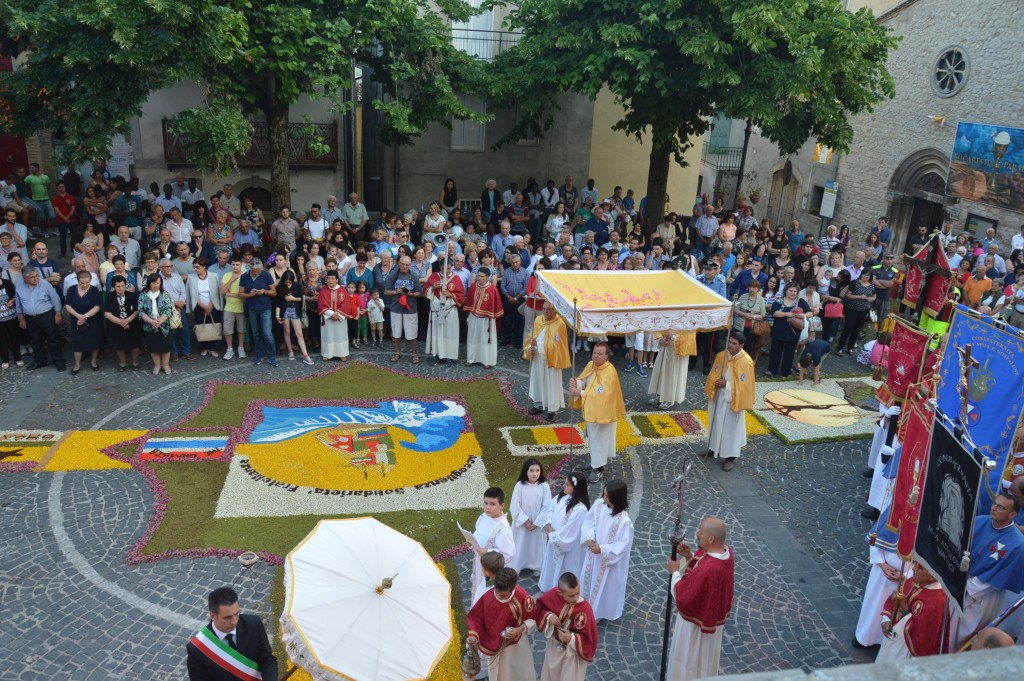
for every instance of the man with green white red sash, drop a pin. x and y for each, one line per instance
(232, 646)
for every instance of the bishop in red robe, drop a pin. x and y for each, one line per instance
(445, 294)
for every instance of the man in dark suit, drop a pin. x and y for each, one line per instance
(232, 646)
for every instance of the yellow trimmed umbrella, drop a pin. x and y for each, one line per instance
(364, 602)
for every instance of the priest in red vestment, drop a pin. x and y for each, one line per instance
(703, 587)
(498, 624)
(445, 294)
(483, 302)
(914, 628)
(567, 621)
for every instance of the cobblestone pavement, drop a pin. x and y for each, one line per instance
(72, 609)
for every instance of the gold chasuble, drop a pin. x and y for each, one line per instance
(741, 379)
(602, 398)
(556, 342)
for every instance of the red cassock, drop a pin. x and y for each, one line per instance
(484, 301)
(923, 633)
(489, 617)
(334, 300)
(579, 616)
(454, 287)
(704, 594)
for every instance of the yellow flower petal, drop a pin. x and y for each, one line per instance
(82, 450)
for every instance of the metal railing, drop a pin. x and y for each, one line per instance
(722, 158)
(299, 140)
(485, 45)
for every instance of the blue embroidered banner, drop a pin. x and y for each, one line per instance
(996, 394)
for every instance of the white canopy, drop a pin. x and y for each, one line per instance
(620, 303)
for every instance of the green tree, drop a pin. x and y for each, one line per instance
(794, 68)
(89, 66)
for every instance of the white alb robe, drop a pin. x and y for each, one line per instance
(564, 552)
(694, 654)
(600, 436)
(545, 383)
(878, 589)
(493, 534)
(880, 492)
(529, 502)
(982, 602)
(334, 339)
(668, 378)
(512, 663)
(605, 574)
(481, 340)
(727, 428)
(443, 328)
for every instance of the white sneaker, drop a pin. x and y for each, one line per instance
(291, 356)
(241, 353)
(307, 360)
(20, 363)
(5, 365)
(229, 354)
(214, 353)
(203, 353)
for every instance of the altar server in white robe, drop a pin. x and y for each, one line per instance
(608, 538)
(531, 500)
(492, 533)
(564, 551)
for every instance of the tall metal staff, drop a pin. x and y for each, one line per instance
(572, 377)
(674, 537)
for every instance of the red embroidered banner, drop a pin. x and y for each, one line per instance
(905, 506)
(907, 351)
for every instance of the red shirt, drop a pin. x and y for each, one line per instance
(67, 205)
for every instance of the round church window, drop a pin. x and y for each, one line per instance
(950, 71)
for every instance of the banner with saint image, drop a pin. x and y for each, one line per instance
(907, 351)
(995, 394)
(905, 503)
(987, 165)
(948, 502)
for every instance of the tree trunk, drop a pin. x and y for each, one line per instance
(657, 184)
(276, 113)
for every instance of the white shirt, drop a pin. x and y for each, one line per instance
(72, 280)
(1017, 242)
(316, 228)
(180, 232)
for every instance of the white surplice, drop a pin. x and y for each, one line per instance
(880, 492)
(481, 340)
(334, 339)
(694, 654)
(545, 383)
(668, 378)
(529, 502)
(443, 328)
(605, 574)
(727, 428)
(564, 552)
(493, 534)
(878, 589)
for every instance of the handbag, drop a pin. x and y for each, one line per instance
(175, 320)
(833, 310)
(814, 324)
(761, 328)
(208, 331)
(797, 322)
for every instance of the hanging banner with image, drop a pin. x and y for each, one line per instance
(995, 396)
(905, 505)
(987, 165)
(907, 351)
(948, 502)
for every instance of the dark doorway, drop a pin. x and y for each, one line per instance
(12, 155)
(928, 213)
(260, 199)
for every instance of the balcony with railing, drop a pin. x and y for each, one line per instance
(485, 45)
(300, 140)
(721, 158)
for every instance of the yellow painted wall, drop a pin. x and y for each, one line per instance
(618, 159)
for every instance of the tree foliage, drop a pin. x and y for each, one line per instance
(795, 68)
(90, 65)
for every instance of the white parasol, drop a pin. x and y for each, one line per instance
(364, 602)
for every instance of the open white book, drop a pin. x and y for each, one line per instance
(469, 537)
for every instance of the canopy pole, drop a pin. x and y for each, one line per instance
(572, 419)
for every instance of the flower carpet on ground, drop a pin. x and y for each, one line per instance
(832, 410)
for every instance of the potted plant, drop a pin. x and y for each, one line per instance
(740, 201)
(719, 192)
(755, 195)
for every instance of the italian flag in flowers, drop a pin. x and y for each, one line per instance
(224, 656)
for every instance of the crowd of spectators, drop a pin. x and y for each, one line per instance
(180, 275)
